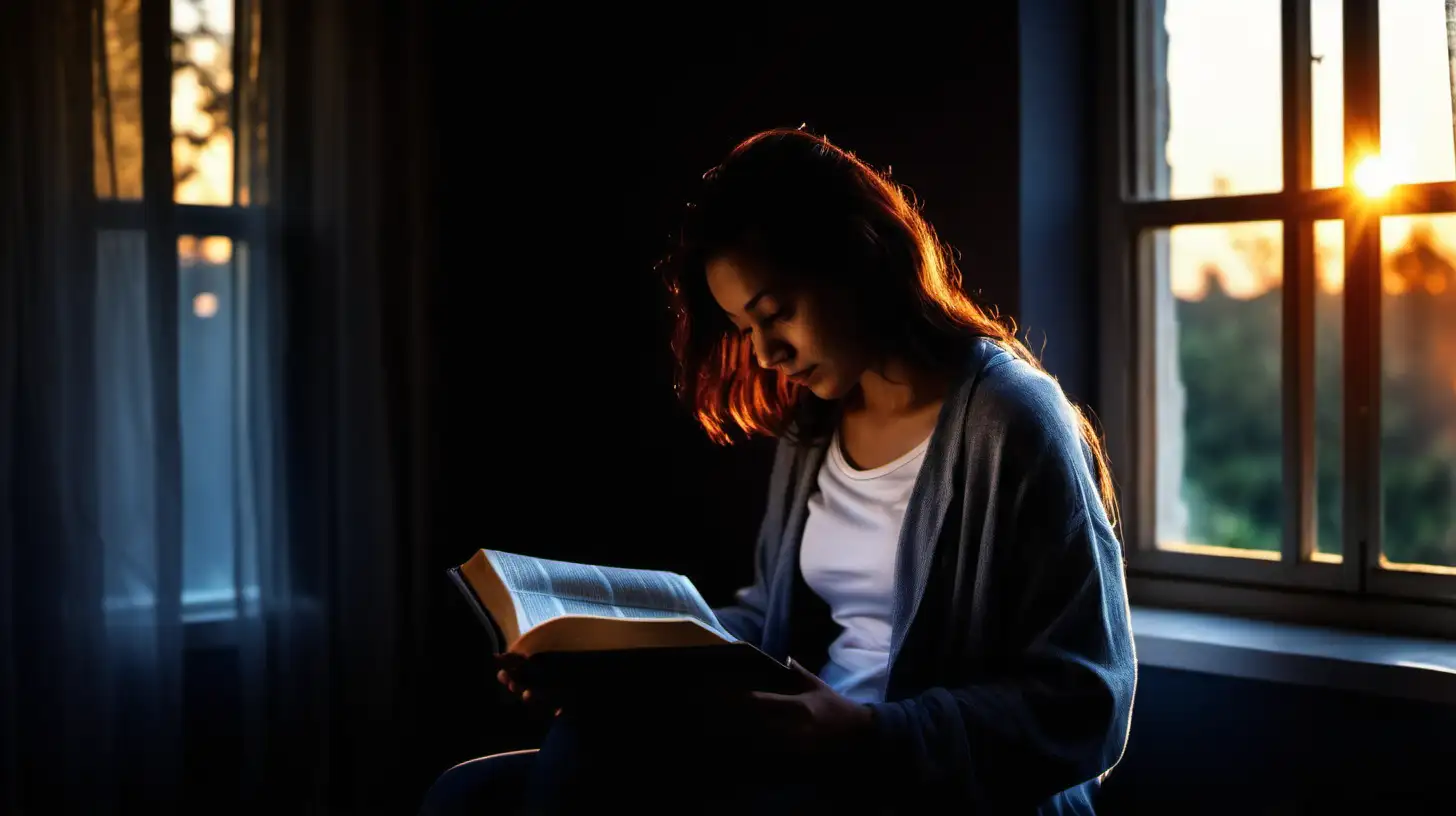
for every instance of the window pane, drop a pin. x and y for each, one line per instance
(126, 462)
(1327, 91)
(116, 98)
(1329, 322)
(202, 101)
(1415, 91)
(1217, 356)
(1418, 390)
(1216, 68)
(207, 322)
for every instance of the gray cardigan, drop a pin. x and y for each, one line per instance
(1011, 656)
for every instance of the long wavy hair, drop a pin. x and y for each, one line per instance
(830, 222)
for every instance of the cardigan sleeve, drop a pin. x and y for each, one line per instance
(1054, 712)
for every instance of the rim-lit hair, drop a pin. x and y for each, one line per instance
(830, 222)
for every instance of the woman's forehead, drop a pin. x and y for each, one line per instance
(736, 279)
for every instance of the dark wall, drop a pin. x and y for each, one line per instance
(1058, 106)
(567, 197)
(1205, 744)
(570, 144)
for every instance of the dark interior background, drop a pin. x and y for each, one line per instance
(568, 143)
(556, 363)
(555, 327)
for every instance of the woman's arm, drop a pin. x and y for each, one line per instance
(1055, 712)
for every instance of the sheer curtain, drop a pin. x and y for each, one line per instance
(340, 651)
(91, 694)
(326, 607)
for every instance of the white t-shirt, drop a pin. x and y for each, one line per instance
(847, 556)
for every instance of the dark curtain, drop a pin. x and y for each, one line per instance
(348, 677)
(89, 694)
(351, 679)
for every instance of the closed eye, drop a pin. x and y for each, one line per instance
(766, 320)
(781, 314)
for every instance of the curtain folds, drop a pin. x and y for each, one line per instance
(314, 688)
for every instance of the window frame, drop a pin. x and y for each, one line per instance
(164, 222)
(1356, 591)
(161, 215)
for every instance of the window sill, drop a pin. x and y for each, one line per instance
(1411, 668)
(211, 633)
(218, 626)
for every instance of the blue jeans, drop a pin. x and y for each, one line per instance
(673, 761)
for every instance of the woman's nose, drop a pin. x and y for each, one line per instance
(769, 351)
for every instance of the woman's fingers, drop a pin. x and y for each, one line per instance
(506, 679)
(509, 675)
(509, 661)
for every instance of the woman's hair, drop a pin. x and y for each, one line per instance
(831, 223)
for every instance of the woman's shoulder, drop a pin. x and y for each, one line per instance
(1017, 404)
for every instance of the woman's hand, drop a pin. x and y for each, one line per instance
(514, 675)
(817, 721)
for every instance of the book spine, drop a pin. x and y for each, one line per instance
(492, 631)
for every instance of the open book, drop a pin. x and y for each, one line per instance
(585, 627)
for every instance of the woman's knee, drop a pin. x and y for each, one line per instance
(491, 784)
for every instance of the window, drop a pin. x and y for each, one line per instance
(1279, 218)
(179, 148)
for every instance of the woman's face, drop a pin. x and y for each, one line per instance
(804, 336)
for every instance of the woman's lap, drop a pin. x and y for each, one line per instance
(491, 784)
(646, 764)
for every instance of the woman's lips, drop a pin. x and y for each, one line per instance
(802, 377)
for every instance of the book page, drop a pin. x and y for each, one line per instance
(578, 632)
(546, 589)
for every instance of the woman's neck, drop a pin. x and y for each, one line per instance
(898, 388)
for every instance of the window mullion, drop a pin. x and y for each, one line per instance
(1297, 371)
(1116, 339)
(157, 206)
(1149, 177)
(238, 223)
(1361, 382)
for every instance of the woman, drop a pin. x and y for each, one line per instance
(938, 547)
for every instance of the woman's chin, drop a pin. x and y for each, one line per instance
(826, 389)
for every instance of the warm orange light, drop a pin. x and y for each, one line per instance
(1373, 177)
(204, 305)
(1213, 549)
(217, 249)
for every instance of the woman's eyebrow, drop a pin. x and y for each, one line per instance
(753, 301)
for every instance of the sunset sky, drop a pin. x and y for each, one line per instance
(1225, 124)
(206, 27)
